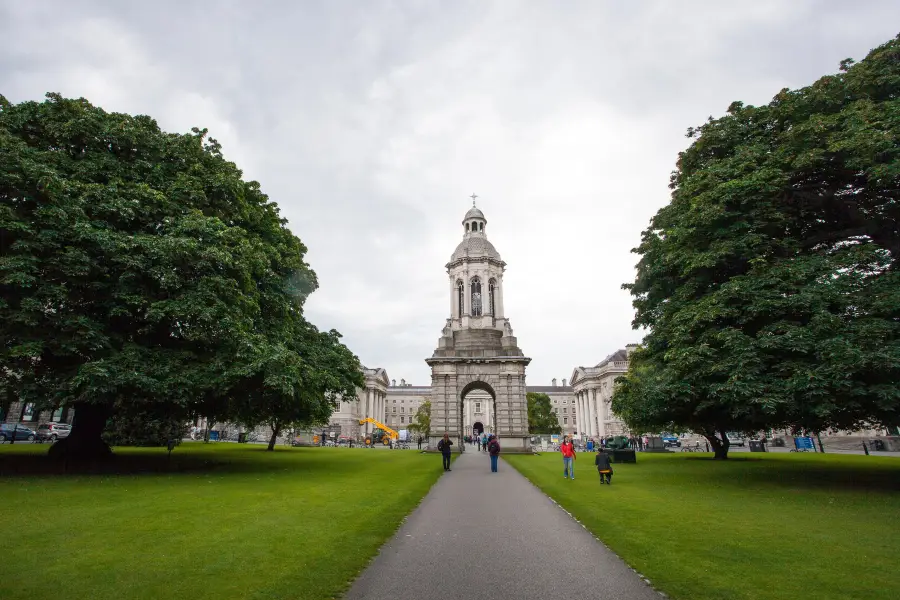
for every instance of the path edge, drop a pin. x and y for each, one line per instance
(591, 533)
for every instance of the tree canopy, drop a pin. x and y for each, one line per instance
(541, 418)
(138, 267)
(770, 284)
(422, 421)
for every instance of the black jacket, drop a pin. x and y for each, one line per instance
(444, 446)
(602, 462)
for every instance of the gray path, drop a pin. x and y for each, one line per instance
(486, 536)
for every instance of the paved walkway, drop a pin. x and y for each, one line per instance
(494, 536)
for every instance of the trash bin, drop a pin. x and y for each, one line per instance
(878, 445)
(242, 438)
(757, 446)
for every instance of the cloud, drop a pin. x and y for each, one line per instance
(370, 124)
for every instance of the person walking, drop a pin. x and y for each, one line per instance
(568, 452)
(445, 446)
(484, 441)
(494, 451)
(603, 467)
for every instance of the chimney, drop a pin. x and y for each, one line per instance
(554, 382)
(629, 348)
(403, 382)
(564, 382)
(393, 383)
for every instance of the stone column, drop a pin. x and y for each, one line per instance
(577, 412)
(586, 424)
(591, 394)
(368, 411)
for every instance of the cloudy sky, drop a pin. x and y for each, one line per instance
(371, 122)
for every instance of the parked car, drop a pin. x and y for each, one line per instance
(21, 433)
(735, 439)
(671, 441)
(54, 431)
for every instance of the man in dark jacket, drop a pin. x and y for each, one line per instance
(494, 450)
(603, 467)
(444, 446)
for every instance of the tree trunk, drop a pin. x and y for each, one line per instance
(276, 429)
(85, 442)
(719, 446)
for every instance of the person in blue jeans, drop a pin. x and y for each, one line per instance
(494, 450)
(568, 453)
(445, 445)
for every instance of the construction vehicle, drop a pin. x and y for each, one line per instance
(389, 434)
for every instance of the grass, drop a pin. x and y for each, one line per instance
(778, 526)
(220, 521)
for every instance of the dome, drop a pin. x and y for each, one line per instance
(474, 213)
(475, 246)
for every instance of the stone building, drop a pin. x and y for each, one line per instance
(592, 388)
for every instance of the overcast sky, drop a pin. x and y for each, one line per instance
(370, 123)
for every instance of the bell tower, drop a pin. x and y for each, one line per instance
(477, 349)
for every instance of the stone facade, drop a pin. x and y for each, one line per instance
(20, 412)
(370, 402)
(477, 351)
(592, 388)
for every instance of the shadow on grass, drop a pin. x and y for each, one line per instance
(192, 458)
(829, 472)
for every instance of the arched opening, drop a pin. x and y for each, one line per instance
(460, 298)
(476, 297)
(478, 408)
(467, 227)
(492, 285)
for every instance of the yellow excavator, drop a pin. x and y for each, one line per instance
(389, 434)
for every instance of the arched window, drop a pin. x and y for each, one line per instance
(467, 226)
(476, 297)
(491, 287)
(460, 298)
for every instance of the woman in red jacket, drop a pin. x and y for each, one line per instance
(568, 452)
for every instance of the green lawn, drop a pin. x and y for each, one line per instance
(220, 521)
(779, 526)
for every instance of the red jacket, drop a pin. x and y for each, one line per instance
(568, 450)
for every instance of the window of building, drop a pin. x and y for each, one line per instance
(565, 421)
(403, 419)
(460, 297)
(476, 297)
(402, 409)
(394, 409)
(491, 285)
(478, 407)
(565, 410)
(573, 420)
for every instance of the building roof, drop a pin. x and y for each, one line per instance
(474, 213)
(549, 389)
(475, 246)
(617, 356)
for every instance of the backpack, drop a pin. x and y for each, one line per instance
(493, 447)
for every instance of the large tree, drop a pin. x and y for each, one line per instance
(770, 284)
(541, 418)
(422, 420)
(136, 266)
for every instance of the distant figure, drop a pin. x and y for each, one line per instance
(604, 468)
(484, 442)
(494, 450)
(445, 446)
(568, 453)
(420, 442)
